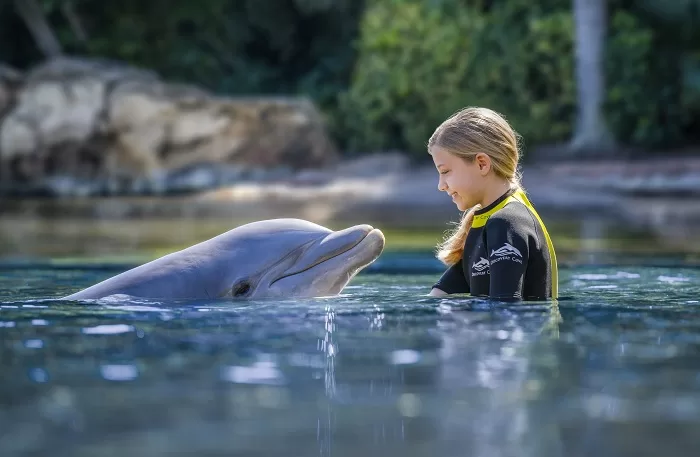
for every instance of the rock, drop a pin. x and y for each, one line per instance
(127, 131)
(10, 80)
(654, 176)
(373, 165)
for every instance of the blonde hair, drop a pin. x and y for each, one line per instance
(465, 134)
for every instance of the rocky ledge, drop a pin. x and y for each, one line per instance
(78, 127)
(657, 175)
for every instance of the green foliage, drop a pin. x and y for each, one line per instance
(690, 96)
(531, 48)
(387, 72)
(677, 35)
(653, 97)
(239, 47)
(675, 12)
(413, 60)
(632, 114)
(420, 60)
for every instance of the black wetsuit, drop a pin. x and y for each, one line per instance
(507, 255)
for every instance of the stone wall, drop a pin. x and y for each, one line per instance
(89, 127)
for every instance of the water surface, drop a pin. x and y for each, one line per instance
(381, 370)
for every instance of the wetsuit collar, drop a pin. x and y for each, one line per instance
(493, 206)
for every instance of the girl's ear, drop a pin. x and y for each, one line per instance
(483, 161)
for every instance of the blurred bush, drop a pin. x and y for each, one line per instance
(242, 47)
(420, 60)
(387, 72)
(653, 72)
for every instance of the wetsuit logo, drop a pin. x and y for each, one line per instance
(506, 252)
(506, 249)
(481, 267)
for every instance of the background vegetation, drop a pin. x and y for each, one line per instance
(386, 72)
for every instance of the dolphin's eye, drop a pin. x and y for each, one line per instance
(240, 289)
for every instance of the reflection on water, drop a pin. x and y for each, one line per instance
(381, 370)
(579, 239)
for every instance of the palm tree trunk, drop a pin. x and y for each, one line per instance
(591, 134)
(33, 16)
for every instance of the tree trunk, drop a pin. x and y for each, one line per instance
(591, 135)
(74, 21)
(33, 16)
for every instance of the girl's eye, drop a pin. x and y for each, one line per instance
(444, 172)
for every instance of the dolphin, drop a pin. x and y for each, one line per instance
(263, 259)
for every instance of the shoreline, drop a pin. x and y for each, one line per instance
(576, 200)
(390, 179)
(387, 189)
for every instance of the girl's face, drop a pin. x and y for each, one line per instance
(463, 180)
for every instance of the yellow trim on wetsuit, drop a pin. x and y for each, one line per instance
(519, 196)
(480, 219)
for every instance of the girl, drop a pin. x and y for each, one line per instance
(501, 248)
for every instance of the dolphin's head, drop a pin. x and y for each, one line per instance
(291, 258)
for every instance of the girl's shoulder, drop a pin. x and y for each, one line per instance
(513, 216)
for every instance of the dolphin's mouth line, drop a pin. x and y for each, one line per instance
(321, 260)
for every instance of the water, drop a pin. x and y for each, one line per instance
(381, 370)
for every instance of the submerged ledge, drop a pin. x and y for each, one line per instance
(385, 190)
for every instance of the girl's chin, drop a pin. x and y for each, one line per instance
(462, 206)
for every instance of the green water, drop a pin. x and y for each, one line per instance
(381, 370)
(578, 240)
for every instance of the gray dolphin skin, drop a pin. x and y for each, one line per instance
(272, 258)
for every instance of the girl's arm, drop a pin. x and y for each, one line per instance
(507, 248)
(452, 281)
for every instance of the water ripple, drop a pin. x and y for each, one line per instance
(382, 369)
